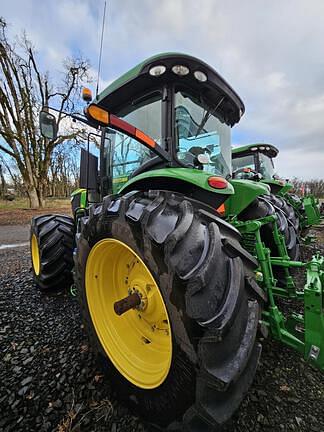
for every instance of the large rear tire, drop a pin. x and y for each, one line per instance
(51, 244)
(289, 211)
(212, 311)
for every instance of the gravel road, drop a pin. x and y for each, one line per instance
(50, 380)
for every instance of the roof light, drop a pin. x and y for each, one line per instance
(86, 94)
(157, 70)
(180, 70)
(98, 114)
(200, 76)
(267, 148)
(262, 148)
(217, 182)
(254, 148)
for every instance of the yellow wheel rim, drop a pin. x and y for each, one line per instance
(35, 254)
(139, 342)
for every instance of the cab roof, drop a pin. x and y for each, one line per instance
(137, 82)
(268, 149)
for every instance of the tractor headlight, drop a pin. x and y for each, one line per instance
(157, 70)
(180, 70)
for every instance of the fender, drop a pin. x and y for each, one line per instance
(245, 193)
(191, 182)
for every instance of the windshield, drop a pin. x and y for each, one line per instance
(266, 168)
(240, 163)
(145, 114)
(124, 155)
(199, 132)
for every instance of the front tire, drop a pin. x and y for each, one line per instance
(212, 314)
(51, 244)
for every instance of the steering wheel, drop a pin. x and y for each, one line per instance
(250, 173)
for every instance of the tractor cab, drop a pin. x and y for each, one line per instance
(186, 109)
(254, 160)
(165, 124)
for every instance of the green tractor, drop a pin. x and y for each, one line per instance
(174, 278)
(255, 162)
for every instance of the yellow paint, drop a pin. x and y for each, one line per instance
(139, 342)
(35, 254)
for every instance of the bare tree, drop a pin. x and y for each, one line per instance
(2, 181)
(64, 171)
(314, 187)
(24, 89)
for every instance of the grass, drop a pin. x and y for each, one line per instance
(23, 203)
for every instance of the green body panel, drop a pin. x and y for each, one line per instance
(83, 196)
(118, 183)
(312, 212)
(245, 191)
(286, 188)
(189, 175)
(281, 188)
(277, 183)
(314, 312)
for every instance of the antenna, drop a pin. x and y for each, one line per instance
(101, 43)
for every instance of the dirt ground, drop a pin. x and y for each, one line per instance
(17, 212)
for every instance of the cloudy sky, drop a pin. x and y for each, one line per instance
(271, 52)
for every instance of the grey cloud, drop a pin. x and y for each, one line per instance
(272, 53)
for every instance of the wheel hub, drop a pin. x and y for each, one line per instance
(128, 313)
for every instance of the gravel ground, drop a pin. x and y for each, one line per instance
(50, 380)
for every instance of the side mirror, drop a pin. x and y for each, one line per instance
(47, 124)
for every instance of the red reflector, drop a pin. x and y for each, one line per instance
(122, 125)
(221, 209)
(217, 182)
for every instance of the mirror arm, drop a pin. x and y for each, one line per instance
(77, 117)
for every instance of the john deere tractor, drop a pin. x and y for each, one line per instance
(175, 281)
(255, 161)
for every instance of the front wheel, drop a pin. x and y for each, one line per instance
(185, 353)
(51, 247)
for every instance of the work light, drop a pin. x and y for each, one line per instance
(157, 70)
(180, 70)
(200, 76)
